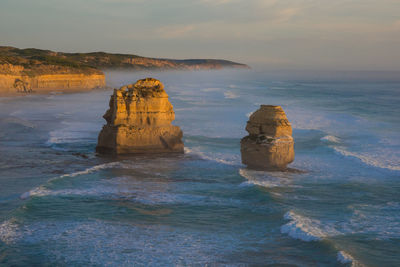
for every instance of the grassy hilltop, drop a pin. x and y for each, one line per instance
(36, 61)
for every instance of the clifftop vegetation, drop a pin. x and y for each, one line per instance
(35, 61)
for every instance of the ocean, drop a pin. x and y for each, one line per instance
(62, 205)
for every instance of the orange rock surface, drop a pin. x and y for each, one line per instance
(269, 144)
(139, 121)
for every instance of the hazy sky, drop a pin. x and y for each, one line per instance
(300, 34)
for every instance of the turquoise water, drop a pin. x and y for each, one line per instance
(62, 205)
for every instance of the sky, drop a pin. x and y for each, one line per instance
(277, 34)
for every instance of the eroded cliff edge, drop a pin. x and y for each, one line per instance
(139, 121)
(38, 77)
(28, 70)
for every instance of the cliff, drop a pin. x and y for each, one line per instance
(139, 121)
(269, 144)
(36, 70)
(34, 73)
(12, 82)
(102, 60)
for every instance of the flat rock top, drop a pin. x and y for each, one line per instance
(268, 113)
(148, 87)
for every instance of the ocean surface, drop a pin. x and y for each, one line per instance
(61, 205)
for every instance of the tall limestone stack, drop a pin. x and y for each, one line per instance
(139, 121)
(269, 145)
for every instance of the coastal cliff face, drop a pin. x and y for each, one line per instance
(139, 121)
(269, 144)
(35, 70)
(18, 79)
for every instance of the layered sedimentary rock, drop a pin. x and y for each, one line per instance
(269, 144)
(139, 121)
(17, 79)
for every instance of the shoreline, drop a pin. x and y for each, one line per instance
(51, 91)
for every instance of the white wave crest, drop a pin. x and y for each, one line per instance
(230, 95)
(42, 191)
(306, 229)
(217, 157)
(261, 178)
(372, 160)
(345, 258)
(38, 191)
(331, 139)
(96, 168)
(249, 114)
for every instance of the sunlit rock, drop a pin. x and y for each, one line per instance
(139, 121)
(269, 145)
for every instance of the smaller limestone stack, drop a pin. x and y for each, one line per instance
(139, 121)
(269, 145)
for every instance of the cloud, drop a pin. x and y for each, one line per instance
(216, 2)
(286, 14)
(396, 25)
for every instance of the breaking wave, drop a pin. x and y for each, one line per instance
(330, 139)
(217, 157)
(264, 179)
(96, 168)
(306, 229)
(38, 191)
(372, 160)
(345, 258)
(230, 95)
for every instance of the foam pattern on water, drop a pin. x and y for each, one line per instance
(104, 243)
(306, 229)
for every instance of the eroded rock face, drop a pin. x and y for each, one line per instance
(14, 79)
(270, 144)
(139, 121)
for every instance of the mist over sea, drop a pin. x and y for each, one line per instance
(61, 205)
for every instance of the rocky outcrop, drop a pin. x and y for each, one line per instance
(17, 79)
(269, 145)
(139, 121)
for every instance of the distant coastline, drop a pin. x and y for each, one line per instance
(35, 70)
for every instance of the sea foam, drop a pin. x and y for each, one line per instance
(306, 229)
(8, 231)
(371, 159)
(266, 179)
(42, 191)
(104, 243)
(331, 139)
(345, 258)
(217, 157)
(230, 95)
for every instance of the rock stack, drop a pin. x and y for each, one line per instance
(139, 121)
(269, 145)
